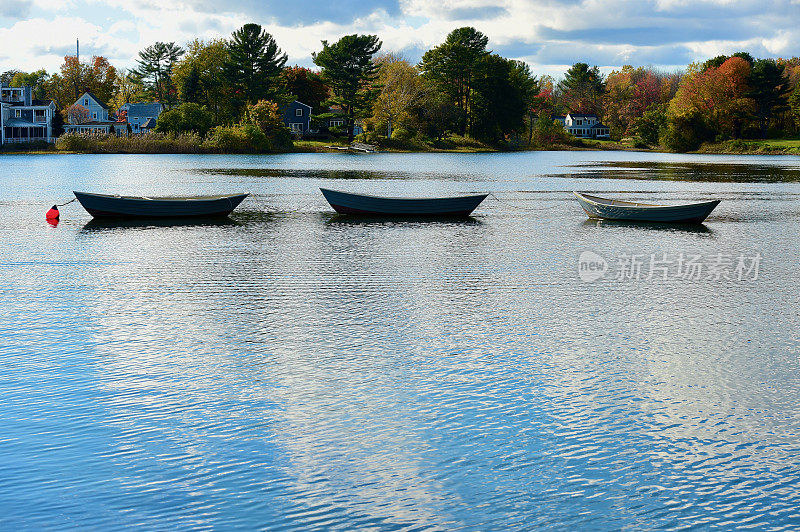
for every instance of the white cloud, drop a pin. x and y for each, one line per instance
(549, 34)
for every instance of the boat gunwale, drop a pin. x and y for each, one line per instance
(323, 190)
(629, 204)
(163, 198)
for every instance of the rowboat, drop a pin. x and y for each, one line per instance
(609, 209)
(362, 204)
(112, 205)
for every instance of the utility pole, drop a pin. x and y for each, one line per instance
(77, 60)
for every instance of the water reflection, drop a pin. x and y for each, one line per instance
(347, 219)
(312, 173)
(105, 224)
(686, 171)
(304, 370)
(648, 226)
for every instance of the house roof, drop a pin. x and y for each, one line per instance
(582, 115)
(18, 122)
(143, 109)
(298, 102)
(599, 125)
(149, 123)
(98, 100)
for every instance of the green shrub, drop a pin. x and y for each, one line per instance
(402, 135)
(245, 138)
(187, 117)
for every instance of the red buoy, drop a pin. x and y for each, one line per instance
(52, 214)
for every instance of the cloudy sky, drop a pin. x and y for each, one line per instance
(549, 34)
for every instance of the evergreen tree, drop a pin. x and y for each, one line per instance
(348, 69)
(455, 66)
(769, 91)
(190, 88)
(155, 70)
(253, 66)
(582, 89)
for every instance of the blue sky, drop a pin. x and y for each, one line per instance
(549, 34)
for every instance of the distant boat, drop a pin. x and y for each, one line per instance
(111, 205)
(609, 209)
(362, 204)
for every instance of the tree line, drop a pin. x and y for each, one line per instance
(235, 89)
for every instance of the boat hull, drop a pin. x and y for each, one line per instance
(604, 209)
(108, 206)
(362, 205)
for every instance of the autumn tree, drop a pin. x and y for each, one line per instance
(401, 91)
(348, 68)
(37, 80)
(78, 114)
(208, 59)
(629, 92)
(75, 77)
(127, 89)
(253, 66)
(454, 67)
(154, 68)
(306, 86)
(710, 103)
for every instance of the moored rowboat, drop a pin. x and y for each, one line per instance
(362, 204)
(609, 209)
(110, 205)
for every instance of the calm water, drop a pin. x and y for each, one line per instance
(295, 370)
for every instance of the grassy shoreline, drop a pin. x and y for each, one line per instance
(730, 147)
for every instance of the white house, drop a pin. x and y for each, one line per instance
(585, 126)
(23, 119)
(94, 120)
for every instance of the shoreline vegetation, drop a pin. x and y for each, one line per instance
(236, 95)
(189, 143)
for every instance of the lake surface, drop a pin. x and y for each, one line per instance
(290, 369)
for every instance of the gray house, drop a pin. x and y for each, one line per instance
(142, 117)
(23, 119)
(297, 117)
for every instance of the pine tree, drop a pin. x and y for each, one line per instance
(191, 91)
(348, 69)
(254, 66)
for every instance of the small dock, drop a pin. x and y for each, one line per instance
(357, 147)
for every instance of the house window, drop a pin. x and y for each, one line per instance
(86, 102)
(298, 112)
(297, 127)
(94, 116)
(17, 113)
(335, 123)
(579, 122)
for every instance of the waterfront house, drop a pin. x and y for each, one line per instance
(89, 115)
(23, 119)
(586, 126)
(297, 117)
(142, 117)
